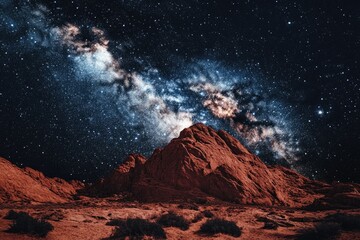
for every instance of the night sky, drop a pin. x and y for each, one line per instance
(85, 83)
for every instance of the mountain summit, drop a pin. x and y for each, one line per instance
(203, 162)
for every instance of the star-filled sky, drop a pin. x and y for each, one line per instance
(85, 83)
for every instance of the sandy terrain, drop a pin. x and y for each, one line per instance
(86, 219)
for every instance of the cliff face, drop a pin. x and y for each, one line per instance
(205, 162)
(18, 185)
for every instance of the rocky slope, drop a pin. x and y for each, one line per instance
(200, 164)
(29, 185)
(121, 179)
(203, 162)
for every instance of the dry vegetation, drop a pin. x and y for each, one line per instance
(23, 223)
(110, 219)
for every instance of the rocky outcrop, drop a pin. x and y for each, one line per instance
(205, 162)
(337, 196)
(29, 185)
(121, 179)
(201, 163)
(218, 165)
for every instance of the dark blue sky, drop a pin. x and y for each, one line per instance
(282, 76)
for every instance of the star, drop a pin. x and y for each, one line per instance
(320, 112)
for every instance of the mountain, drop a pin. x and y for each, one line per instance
(203, 162)
(29, 185)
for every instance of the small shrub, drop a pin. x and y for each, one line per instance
(135, 228)
(12, 215)
(214, 226)
(346, 221)
(208, 214)
(173, 220)
(25, 224)
(321, 231)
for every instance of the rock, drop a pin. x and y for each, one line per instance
(121, 179)
(19, 185)
(217, 164)
(337, 196)
(201, 165)
(203, 162)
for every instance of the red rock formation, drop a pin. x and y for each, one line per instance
(17, 185)
(337, 196)
(200, 163)
(205, 162)
(121, 179)
(218, 165)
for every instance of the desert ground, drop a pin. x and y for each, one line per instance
(87, 218)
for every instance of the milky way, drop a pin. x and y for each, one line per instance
(104, 103)
(136, 95)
